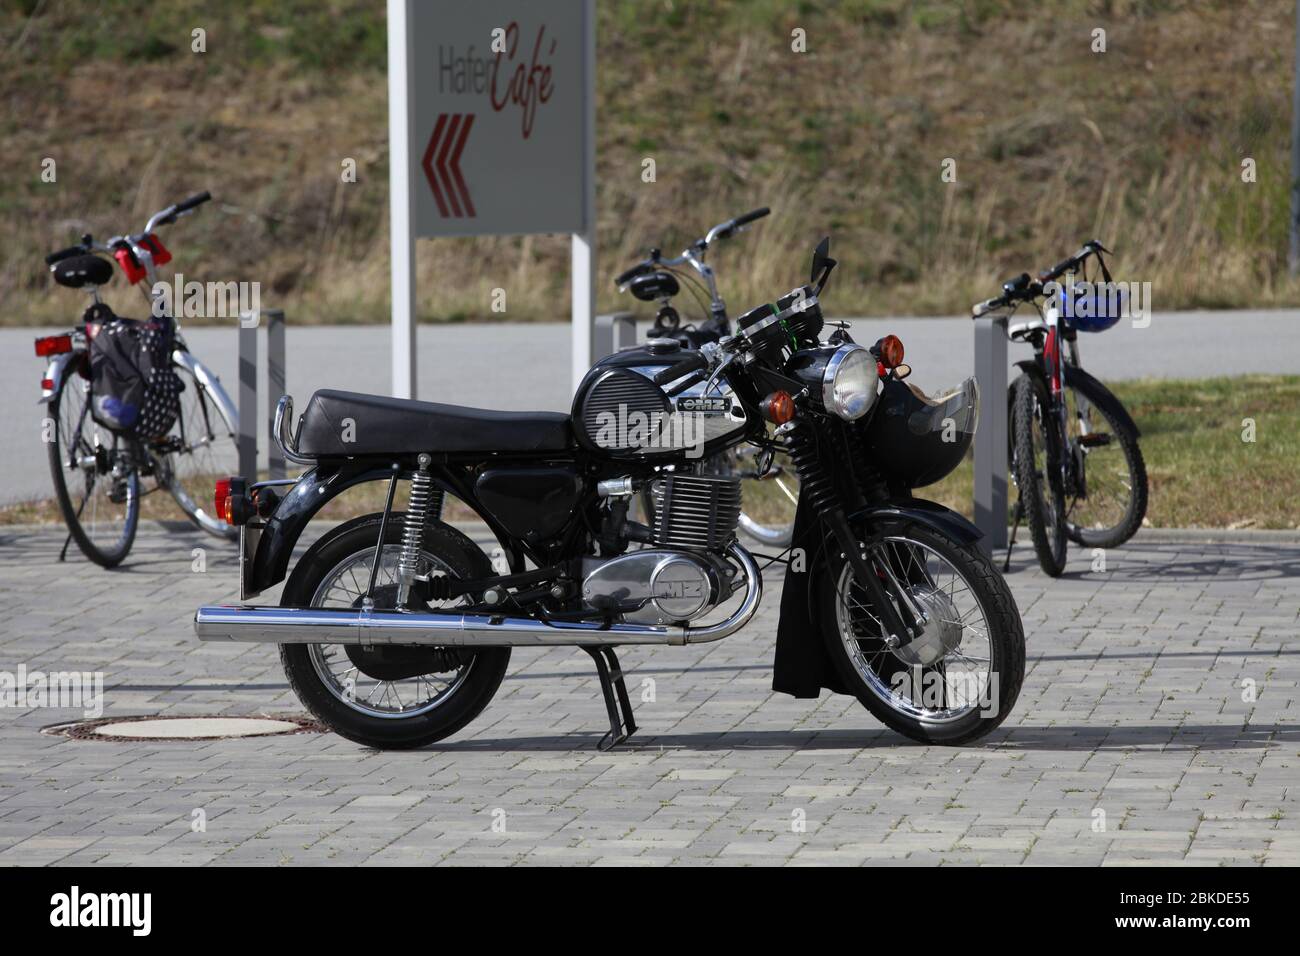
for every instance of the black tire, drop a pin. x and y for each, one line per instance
(464, 702)
(1108, 529)
(1033, 427)
(66, 416)
(1006, 643)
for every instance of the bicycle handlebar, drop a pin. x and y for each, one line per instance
(723, 230)
(164, 217)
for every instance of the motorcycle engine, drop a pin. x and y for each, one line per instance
(656, 586)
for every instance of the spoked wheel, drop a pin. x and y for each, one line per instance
(200, 448)
(1038, 472)
(387, 696)
(1108, 497)
(95, 474)
(961, 677)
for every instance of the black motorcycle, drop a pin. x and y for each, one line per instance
(396, 629)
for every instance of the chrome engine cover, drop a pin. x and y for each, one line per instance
(656, 586)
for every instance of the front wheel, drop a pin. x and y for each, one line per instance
(1037, 470)
(392, 697)
(960, 678)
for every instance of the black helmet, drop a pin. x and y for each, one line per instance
(916, 440)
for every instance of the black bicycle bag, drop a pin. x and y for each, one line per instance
(133, 386)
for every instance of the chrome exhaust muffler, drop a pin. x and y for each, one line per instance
(291, 625)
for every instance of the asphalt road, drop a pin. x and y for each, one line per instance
(526, 366)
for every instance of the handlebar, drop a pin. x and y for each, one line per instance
(1023, 289)
(724, 230)
(1070, 263)
(693, 362)
(164, 217)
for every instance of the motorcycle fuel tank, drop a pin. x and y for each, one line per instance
(620, 411)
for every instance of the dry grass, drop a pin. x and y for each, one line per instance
(1140, 146)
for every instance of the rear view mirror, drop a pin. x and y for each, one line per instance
(822, 264)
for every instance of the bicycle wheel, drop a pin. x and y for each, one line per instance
(96, 480)
(200, 448)
(1107, 499)
(1038, 472)
(770, 500)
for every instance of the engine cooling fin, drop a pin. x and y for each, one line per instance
(696, 511)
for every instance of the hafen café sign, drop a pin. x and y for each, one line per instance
(497, 112)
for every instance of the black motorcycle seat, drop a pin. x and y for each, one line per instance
(351, 423)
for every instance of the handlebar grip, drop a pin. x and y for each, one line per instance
(632, 273)
(185, 205)
(62, 254)
(751, 216)
(1067, 263)
(675, 371)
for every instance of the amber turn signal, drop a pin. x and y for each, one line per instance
(777, 408)
(891, 351)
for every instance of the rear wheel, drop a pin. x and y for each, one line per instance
(95, 474)
(200, 448)
(1038, 472)
(387, 696)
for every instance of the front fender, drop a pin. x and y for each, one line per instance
(932, 515)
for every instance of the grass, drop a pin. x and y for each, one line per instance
(1141, 146)
(1201, 472)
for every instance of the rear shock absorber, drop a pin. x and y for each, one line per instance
(417, 512)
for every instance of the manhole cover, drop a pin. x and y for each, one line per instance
(182, 728)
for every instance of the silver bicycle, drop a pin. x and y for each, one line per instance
(99, 475)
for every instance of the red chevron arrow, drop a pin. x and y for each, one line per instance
(448, 141)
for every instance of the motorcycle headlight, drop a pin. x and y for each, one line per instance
(849, 383)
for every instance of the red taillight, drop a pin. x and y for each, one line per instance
(221, 500)
(778, 407)
(891, 351)
(47, 384)
(53, 345)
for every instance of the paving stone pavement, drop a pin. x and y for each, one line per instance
(1132, 714)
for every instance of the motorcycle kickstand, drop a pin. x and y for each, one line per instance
(1015, 526)
(63, 555)
(617, 704)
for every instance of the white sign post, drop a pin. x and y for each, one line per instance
(491, 127)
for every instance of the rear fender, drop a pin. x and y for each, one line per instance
(312, 492)
(54, 373)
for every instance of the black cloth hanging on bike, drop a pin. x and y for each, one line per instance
(801, 666)
(134, 389)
